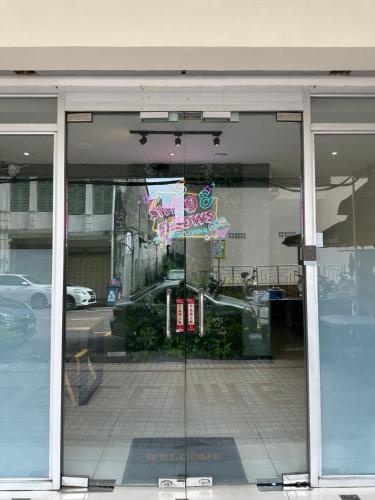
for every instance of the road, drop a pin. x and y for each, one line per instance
(85, 329)
(90, 329)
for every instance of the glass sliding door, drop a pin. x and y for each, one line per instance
(184, 340)
(245, 372)
(124, 376)
(26, 176)
(345, 191)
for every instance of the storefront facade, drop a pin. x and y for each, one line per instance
(306, 174)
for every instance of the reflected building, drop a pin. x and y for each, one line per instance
(109, 234)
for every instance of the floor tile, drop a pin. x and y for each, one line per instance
(260, 404)
(110, 469)
(259, 469)
(86, 467)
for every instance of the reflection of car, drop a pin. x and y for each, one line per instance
(175, 274)
(79, 296)
(17, 322)
(141, 320)
(26, 289)
(30, 290)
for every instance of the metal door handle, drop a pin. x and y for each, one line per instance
(168, 305)
(201, 313)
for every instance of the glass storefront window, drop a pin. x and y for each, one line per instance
(343, 110)
(28, 110)
(77, 199)
(25, 306)
(345, 193)
(102, 199)
(20, 196)
(45, 196)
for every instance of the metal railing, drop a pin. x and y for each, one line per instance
(265, 275)
(333, 271)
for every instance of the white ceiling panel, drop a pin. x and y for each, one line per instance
(256, 138)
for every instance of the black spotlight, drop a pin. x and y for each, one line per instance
(216, 140)
(143, 139)
(177, 141)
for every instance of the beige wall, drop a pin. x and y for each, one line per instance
(187, 34)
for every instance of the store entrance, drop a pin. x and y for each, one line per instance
(184, 342)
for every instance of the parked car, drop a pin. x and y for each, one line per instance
(27, 289)
(79, 296)
(141, 321)
(17, 322)
(30, 290)
(175, 274)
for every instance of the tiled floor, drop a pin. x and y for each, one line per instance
(249, 492)
(261, 404)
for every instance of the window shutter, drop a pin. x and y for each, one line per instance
(19, 197)
(45, 196)
(102, 200)
(77, 199)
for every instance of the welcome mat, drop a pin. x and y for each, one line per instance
(154, 458)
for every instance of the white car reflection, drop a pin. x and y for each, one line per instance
(30, 290)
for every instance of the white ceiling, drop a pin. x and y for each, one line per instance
(255, 139)
(13, 147)
(356, 154)
(107, 141)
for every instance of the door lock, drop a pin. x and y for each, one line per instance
(172, 482)
(205, 481)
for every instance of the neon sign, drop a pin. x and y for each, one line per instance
(181, 214)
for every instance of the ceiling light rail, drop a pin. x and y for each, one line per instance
(177, 135)
(177, 132)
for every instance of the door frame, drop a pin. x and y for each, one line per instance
(243, 100)
(49, 482)
(211, 93)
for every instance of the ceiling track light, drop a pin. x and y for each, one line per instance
(143, 139)
(216, 134)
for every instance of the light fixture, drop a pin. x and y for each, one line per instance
(216, 134)
(220, 116)
(13, 170)
(158, 116)
(26, 153)
(171, 154)
(334, 153)
(143, 139)
(216, 140)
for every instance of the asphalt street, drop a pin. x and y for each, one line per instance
(90, 329)
(84, 329)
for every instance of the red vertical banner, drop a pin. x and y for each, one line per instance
(191, 315)
(180, 320)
